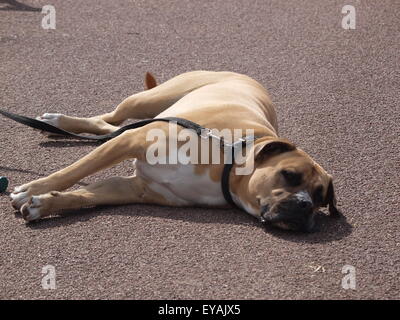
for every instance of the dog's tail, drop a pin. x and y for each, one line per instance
(150, 81)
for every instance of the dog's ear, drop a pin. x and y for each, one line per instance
(272, 147)
(330, 200)
(150, 81)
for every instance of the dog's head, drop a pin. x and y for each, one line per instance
(286, 187)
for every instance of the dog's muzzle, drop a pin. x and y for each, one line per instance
(294, 213)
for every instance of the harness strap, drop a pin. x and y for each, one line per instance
(200, 131)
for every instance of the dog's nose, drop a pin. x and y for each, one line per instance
(303, 200)
(305, 205)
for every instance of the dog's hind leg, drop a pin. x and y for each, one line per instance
(93, 125)
(142, 105)
(77, 125)
(113, 191)
(150, 103)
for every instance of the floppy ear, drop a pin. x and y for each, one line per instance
(273, 147)
(330, 200)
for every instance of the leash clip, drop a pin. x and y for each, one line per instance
(240, 141)
(207, 133)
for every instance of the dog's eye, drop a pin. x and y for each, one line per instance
(292, 178)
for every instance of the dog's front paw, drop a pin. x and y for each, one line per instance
(19, 196)
(31, 210)
(22, 194)
(38, 206)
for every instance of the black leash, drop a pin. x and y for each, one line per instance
(203, 132)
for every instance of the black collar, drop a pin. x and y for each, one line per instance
(228, 167)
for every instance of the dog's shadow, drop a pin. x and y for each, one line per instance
(330, 229)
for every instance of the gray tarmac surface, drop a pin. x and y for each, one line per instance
(337, 96)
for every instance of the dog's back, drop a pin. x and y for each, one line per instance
(221, 99)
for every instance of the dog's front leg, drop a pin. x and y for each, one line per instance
(110, 153)
(113, 191)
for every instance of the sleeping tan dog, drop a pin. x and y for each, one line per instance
(285, 188)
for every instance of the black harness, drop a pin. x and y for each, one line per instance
(201, 131)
